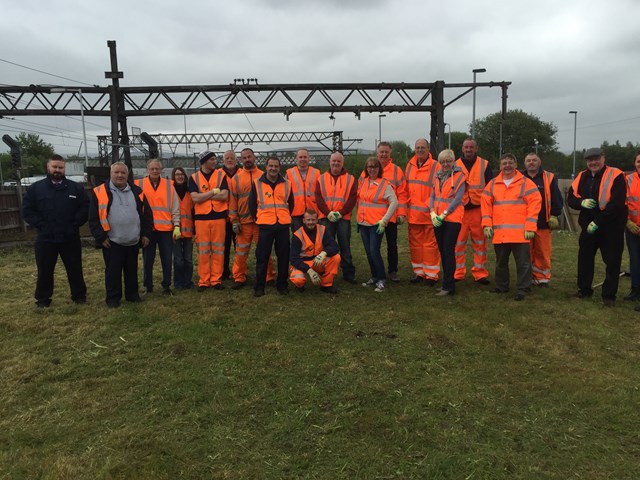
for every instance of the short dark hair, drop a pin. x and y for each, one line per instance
(310, 211)
(247, 148)
(384, 144)
(272, 157)
(55, 156)
(509, 156)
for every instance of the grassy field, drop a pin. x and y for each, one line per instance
(399, 385)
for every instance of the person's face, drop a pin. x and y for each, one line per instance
(273, 169)
(119, 175)
(595, 164)
(373, 170)
(469, 149)
(384, 154)
(229, 160)
(55, 168)
(508, 167)
(532, 164)
(154, 170)
(637, 164)
(422, 150)
(179, 177)
(446, 163)
(302, 159)
(248, 159)
(336, 162)
(310, 221)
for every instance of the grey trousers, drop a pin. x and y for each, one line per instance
(521, 254)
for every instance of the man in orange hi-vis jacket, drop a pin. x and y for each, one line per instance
(303, 180)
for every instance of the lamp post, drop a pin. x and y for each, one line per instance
(449, 125)
(575, 124)
(84, 129)
(473, 118)
(380, 127)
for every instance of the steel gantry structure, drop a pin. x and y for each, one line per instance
(120, 103)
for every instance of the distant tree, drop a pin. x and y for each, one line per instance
(556, 162)
(35, 153)
(620, 156)
(520, 132)
(401, 152)
(457, 138)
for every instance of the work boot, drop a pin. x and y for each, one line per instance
(634, 295)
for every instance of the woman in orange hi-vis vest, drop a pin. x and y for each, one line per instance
(447, 211)
(377, 202)
(183, 246)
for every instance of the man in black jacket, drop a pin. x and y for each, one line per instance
(57, 207)
(121, 221)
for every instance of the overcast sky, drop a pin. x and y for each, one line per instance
(560, 56)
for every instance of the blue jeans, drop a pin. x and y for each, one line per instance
(183, 263)
(372, 242)
(447, 236)
(164, 240)
(341, 231)
(633, 245)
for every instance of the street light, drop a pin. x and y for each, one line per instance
(449, 125)
(473, 118)
(575, 124)
(84, 129)
(380, 126)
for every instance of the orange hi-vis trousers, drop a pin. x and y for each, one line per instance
(423, 251)
(210, 246)
(248, 234)
(327, 271)
(541, 256)
(471, 224)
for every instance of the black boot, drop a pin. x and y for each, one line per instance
(634, 294)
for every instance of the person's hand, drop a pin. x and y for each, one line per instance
(145, 242)
(176, 233)
(553, 222)
(319, 258)
(588, 203)
(106, 243)
(591, 228)
(313, 276)
(380, 226)
(529, 235)
(401, 220)
(435, 219)
(215, 191)
(237, 228)
(332, 217)
(632, 227)
(488, 232)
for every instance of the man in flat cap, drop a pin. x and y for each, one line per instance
(599, 192)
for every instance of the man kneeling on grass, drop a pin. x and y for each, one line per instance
(314, 253)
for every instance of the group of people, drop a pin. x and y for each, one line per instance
(304, 216)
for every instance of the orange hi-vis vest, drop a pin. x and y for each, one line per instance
(444, 195)
(604, 192)
(420, 181)
(547, 178)
(475, 178)
(397, 179)
(310, 248)
(336, 193)
(186, 216)
(511, 210)
(103, 205)
(215, 180)
(633, 197)
(239, 188)
(371, 202)
(160, 200)
(273, 206)
(303, 190)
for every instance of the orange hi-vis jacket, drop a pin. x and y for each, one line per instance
(633, 197)
(511, 210)
(547, 178)
(310, 248)
(444, 195)
(103, 205)
(186, 216)
(273, 206)
(396, 178)
(604, 193)
(303, 190)
(160, 200)
(336, 193)
(371, 203)
(239, 188)
(215, 180)
(420, 181)
(475, 178)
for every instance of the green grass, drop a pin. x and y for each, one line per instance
(357, 386)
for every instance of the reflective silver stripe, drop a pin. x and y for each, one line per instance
(604, 188)
(418, 182)
(419, 209)
(478, 242)
(297, 275)
(544, 272)
(532, 219)
(509, 202)
(163, 222)
(507, 226)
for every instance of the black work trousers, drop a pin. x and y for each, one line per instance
(119, 260)
(610, 242)
(391, 234)
(268, 237)
(46, 258)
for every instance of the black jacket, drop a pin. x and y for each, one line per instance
(56, 211)
(144, 211)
